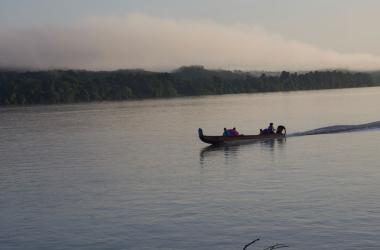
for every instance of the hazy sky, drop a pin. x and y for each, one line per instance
(161, 35)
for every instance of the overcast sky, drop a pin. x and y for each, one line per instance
(162, 35)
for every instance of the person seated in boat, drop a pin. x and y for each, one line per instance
(226, 133)
(270, 129)
(233, 132)
(264, 131)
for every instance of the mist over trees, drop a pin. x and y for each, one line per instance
(67, 86)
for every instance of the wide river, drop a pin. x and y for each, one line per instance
(134, 175)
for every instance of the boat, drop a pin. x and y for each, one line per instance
(222, 140)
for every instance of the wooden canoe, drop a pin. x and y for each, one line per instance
(220, 140)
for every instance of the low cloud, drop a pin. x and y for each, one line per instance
(142, 41)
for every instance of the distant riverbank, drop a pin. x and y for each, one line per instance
(69, 86)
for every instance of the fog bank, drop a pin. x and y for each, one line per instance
(154, 43)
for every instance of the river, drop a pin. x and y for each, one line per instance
(134, 175)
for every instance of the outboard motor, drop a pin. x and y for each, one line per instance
(281, 130)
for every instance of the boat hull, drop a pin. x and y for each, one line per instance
(240, 139)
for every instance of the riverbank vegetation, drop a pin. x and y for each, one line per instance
(67, 86)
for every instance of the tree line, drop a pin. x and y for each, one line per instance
(67, 86)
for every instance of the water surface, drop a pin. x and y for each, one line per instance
(133, 175)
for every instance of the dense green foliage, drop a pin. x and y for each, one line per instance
(376, 77)
(65, 86)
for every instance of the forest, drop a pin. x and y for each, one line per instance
(68, 86)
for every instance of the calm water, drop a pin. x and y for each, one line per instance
(133, 175)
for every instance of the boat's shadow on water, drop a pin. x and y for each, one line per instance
(231, 151)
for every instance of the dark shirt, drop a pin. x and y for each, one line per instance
(270, 129)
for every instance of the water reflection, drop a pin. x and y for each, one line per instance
(231, 152)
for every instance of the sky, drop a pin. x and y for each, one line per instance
(164, 35)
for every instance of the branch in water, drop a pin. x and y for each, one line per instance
(277, 246)
(246, 246)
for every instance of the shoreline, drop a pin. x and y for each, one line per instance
(172, 97)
